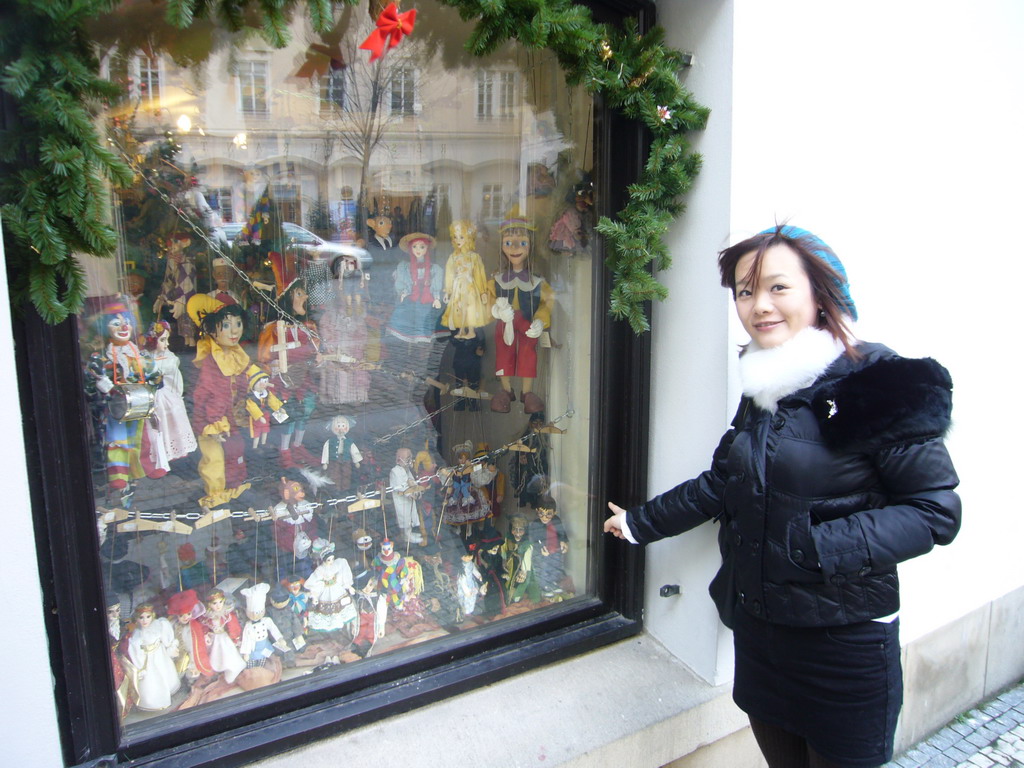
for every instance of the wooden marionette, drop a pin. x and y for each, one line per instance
(490, 564)
(521, 302)
(224, 275)
(529, 463)
(218, 412)
(223, 634)
(340, 456)
(470, 581)
(488, 478)
(126, 381)
(405, 491)
(298, 597)
(178, 287)
(151, 649)
(550, 544)
(184, 610)
(386, 255)
(294, 528)
(440, 595)
(464, 504)
(290, 623)
(572, 230)
(175, 438)
(465, 285)
(332, 605)
(391, 574)
(115, 636)
(260, 635)
(519, 556)
(288, 347)
(262, 405)
(413, 325)
(425, 469)
(467, 363)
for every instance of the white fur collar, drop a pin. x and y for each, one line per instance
(768, 375)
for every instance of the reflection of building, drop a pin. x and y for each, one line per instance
(336, 122)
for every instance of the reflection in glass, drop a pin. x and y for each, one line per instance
(338, 373)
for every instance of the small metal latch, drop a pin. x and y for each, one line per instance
(669, 590)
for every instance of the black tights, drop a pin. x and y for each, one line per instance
(783, 749)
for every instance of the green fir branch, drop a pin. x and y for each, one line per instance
(53, 162)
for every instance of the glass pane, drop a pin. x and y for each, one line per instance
(338, 370)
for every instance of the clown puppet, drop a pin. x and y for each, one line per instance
(123, 364)
(521, 302)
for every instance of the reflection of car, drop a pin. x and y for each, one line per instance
(305, 241)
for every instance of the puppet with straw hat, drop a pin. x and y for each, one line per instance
(521, 302)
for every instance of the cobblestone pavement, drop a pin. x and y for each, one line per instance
(990, 735)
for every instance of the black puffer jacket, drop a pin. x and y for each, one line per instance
(819, 501)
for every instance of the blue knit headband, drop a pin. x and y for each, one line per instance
(819, 248)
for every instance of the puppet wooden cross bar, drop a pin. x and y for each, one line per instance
(282, 346)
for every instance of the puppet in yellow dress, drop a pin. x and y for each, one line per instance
(465, 283)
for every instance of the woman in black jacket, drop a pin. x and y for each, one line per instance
(833, 472)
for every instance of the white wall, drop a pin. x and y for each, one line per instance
(691, 403)
(893, 130)
(26, 686)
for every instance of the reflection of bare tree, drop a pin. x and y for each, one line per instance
(377, 96)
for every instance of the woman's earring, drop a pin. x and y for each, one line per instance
(821, 315)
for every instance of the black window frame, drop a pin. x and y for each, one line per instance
(56, 427)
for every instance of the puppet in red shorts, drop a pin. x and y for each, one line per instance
(521, 302)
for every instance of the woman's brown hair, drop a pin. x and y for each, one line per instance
(828, 286)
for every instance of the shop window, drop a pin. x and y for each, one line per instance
(313, 466)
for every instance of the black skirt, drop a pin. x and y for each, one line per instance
(840, 688)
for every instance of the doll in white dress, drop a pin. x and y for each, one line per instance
(151, 650)
(223, 632)
(332, 605)
(175, 436)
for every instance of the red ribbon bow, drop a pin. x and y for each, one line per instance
(392, 26)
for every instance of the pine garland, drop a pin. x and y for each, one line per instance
(54, 164)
